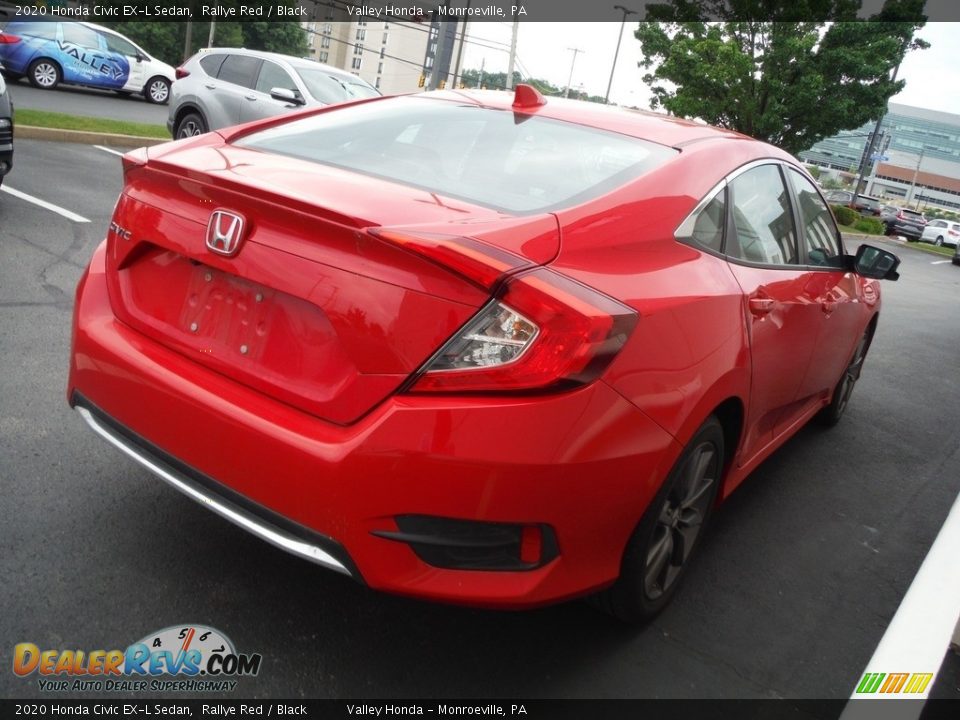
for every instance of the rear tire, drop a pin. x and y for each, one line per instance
(44, 74)
(939, 242)
(668, 533)
(190, 125)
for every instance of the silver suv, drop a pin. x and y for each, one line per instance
(226, 86)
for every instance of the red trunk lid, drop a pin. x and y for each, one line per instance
(311, 309)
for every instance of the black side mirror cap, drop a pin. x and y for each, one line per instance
(872, 262)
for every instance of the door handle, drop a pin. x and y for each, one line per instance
(829, 303)
(252, 98)
(761, 306)
(210, 86)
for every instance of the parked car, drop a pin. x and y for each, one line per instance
(956, 255)
(838, 197)
(81, 53)
(941, 232)
(225, 86)
(866, 205)
(6, 130)
(908, 223)
(355, 333)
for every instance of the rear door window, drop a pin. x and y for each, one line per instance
(240, 70)
(211, 64)
(763, 222)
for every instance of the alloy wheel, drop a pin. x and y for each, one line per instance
(680, 520)
(45, 75)
(158, 91)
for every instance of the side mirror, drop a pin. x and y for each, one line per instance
(872, 262)
(140, 57)
(287, 95)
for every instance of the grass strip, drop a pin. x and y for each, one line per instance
(63, 121)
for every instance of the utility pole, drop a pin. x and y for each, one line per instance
(616, 53)
(187, 41)
(868, 152)
(483, 64)
(457, 82)
(913, 183)
(213, 27)
(513, 54)
(566, 93)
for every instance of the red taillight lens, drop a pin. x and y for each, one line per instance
(181, 73)
(544, 331)
(6, 39)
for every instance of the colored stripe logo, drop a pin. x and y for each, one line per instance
(903, 683)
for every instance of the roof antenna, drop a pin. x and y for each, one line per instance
(527, 96)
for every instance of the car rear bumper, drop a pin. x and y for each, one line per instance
(583, 464)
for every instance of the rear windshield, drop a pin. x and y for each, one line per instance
(911, 214)
(512, 163)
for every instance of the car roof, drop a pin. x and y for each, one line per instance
(655, 127)
(278, 57)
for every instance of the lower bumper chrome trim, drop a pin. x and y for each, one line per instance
(238, 516)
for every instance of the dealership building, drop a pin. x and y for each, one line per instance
(390, 54)
(919, 156)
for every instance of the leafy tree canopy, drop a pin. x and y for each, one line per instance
(167, 40)
(787, 80)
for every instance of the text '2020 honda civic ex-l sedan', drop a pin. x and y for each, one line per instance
(470, 347)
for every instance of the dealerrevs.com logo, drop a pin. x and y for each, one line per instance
(182, 658)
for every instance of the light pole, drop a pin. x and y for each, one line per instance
(566, 93)
(616, 53)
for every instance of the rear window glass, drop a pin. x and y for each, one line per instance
(513, 163)
(911, 214)
(211, 64)
(44, 30)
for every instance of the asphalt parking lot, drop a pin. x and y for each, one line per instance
(793, 589)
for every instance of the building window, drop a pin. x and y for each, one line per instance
(356, 63)
(379, 68)
(325, 41)
(327, 29)
(361, 34)
(323, 56)
(358, 49)
(377, 84)
(382, 52)
(384, 38)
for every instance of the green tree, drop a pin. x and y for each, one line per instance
(166, 40)
(782, 79)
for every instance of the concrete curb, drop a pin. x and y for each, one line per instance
(29, 132)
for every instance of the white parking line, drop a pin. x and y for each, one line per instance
(106, 149)
(940, 262)
(911, 651)
(44, 204)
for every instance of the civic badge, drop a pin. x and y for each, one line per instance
(224, 232)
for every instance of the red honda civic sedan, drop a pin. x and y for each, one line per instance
(469, 346)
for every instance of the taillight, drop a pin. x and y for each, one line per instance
(6, 39)
(542, 331)
(899, 214)
(954, 233)
(181, 73)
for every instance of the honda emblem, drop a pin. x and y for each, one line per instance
(224, 232)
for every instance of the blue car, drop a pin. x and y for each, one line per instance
(80, 53)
